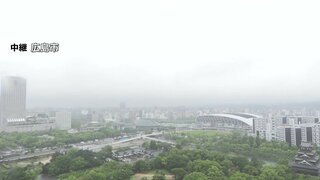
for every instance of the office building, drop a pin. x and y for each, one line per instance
(63, 120)
(37, 122)
(13, 108)
(292, 134)
(13, 99)
(295, 130)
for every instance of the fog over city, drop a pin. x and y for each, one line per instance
(164, 53)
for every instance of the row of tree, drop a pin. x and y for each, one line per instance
(206, 165)
(60, 138)
(235, 143)
(75, 160)
(29, 172)
(191, 165)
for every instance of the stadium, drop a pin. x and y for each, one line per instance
(229, 121)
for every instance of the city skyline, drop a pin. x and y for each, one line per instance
(98, 102)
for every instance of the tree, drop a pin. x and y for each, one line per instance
(90, 158)
(159, 176)
(116, 171)
(93, 175)
(283, 162)
(29, 172)
(249, 169)
(140, 166)
(251, 141)
(227, 166)
(145, 145)
(279, 172)
(158, 163)
(106, 152)
(153, 145)
(258, 141)
(215, 173)
(195, 176)
(240, 162)
(178, 145)
(255, 162)
(240, 176)
(77, 164)
(17, 173)
(202, 166)
(178, 173)
(59, 165)
(166, 147)
(175, 160)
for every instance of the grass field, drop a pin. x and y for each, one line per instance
(138, 176)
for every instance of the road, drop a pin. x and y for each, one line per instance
(95, 146)
(98, 147)
(28, 156)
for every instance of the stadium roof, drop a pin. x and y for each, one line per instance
(248, 120)
(246, 115)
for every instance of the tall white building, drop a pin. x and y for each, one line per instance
(265, 128)
(292, 134)
(63, 120)
(316, 134)
(297, 129)
(13, 99)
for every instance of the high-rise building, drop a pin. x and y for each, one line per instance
(294, 134)
(63, 120)
(13, 99)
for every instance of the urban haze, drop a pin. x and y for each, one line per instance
(160, 90)
(166, 53)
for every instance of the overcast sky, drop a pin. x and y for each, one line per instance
(164, 52)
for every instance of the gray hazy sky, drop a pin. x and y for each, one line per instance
(164, 52)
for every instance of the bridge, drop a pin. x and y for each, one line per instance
(98, 147)
(28, 156)
(160, 140)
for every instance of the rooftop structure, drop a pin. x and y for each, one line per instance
(306, 161)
